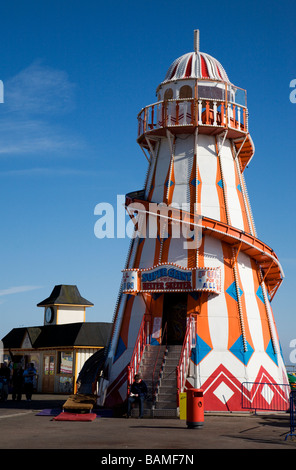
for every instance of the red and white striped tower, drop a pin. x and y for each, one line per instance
(197, 142)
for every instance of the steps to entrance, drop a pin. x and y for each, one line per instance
(166, 399)
(165, 403)
(152, 360)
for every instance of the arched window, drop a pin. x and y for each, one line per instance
(168, 94)
(185, 92)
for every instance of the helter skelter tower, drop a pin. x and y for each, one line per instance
(214, 297)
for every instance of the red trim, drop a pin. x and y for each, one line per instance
(219, 72)
(204, 68)
(174, 71)
(113, 397)
(188, 68)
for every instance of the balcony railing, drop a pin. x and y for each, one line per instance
(192, 112)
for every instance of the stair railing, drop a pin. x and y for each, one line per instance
(140, 344)
(182, 367)
(155, 383)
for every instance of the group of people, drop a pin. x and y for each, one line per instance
(18, 379)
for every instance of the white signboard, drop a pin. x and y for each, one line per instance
(130, 281)
(171, 278)
(166, 278)
(208, 279)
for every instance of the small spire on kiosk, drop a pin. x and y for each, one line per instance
(196, 40)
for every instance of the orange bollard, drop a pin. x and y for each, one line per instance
(195, 408)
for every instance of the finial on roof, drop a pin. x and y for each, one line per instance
(196, 40)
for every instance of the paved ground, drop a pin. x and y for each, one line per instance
(20, 428)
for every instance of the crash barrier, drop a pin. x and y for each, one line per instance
(292, 414)
(265, 396)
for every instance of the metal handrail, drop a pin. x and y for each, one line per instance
(184, 357)
(140, 344)
(201, 111)
(164, 335)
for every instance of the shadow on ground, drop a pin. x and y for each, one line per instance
(37, 403)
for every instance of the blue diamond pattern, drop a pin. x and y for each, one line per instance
(167, 183)
(195, 295)
(232, 291)
(195, 182)
(201, 350)
(163, 238)
(270, 351)
(155, 296)
(220, 184)
(259, 294)
(237, 350)
(120, 349)
(154, 342)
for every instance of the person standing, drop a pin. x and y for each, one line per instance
(138, 394)
(17, 381)
(29, 376)
(4, 379)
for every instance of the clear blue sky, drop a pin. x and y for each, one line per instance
(75, 74)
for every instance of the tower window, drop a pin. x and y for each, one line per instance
(185, 92)
(168, 94)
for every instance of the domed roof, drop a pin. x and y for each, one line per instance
(196, 65)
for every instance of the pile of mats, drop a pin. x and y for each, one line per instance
(77, 408)
(66, 416)
(80, 403)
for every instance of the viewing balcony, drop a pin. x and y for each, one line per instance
(211, 105)
(185, 114)
(217, 107)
